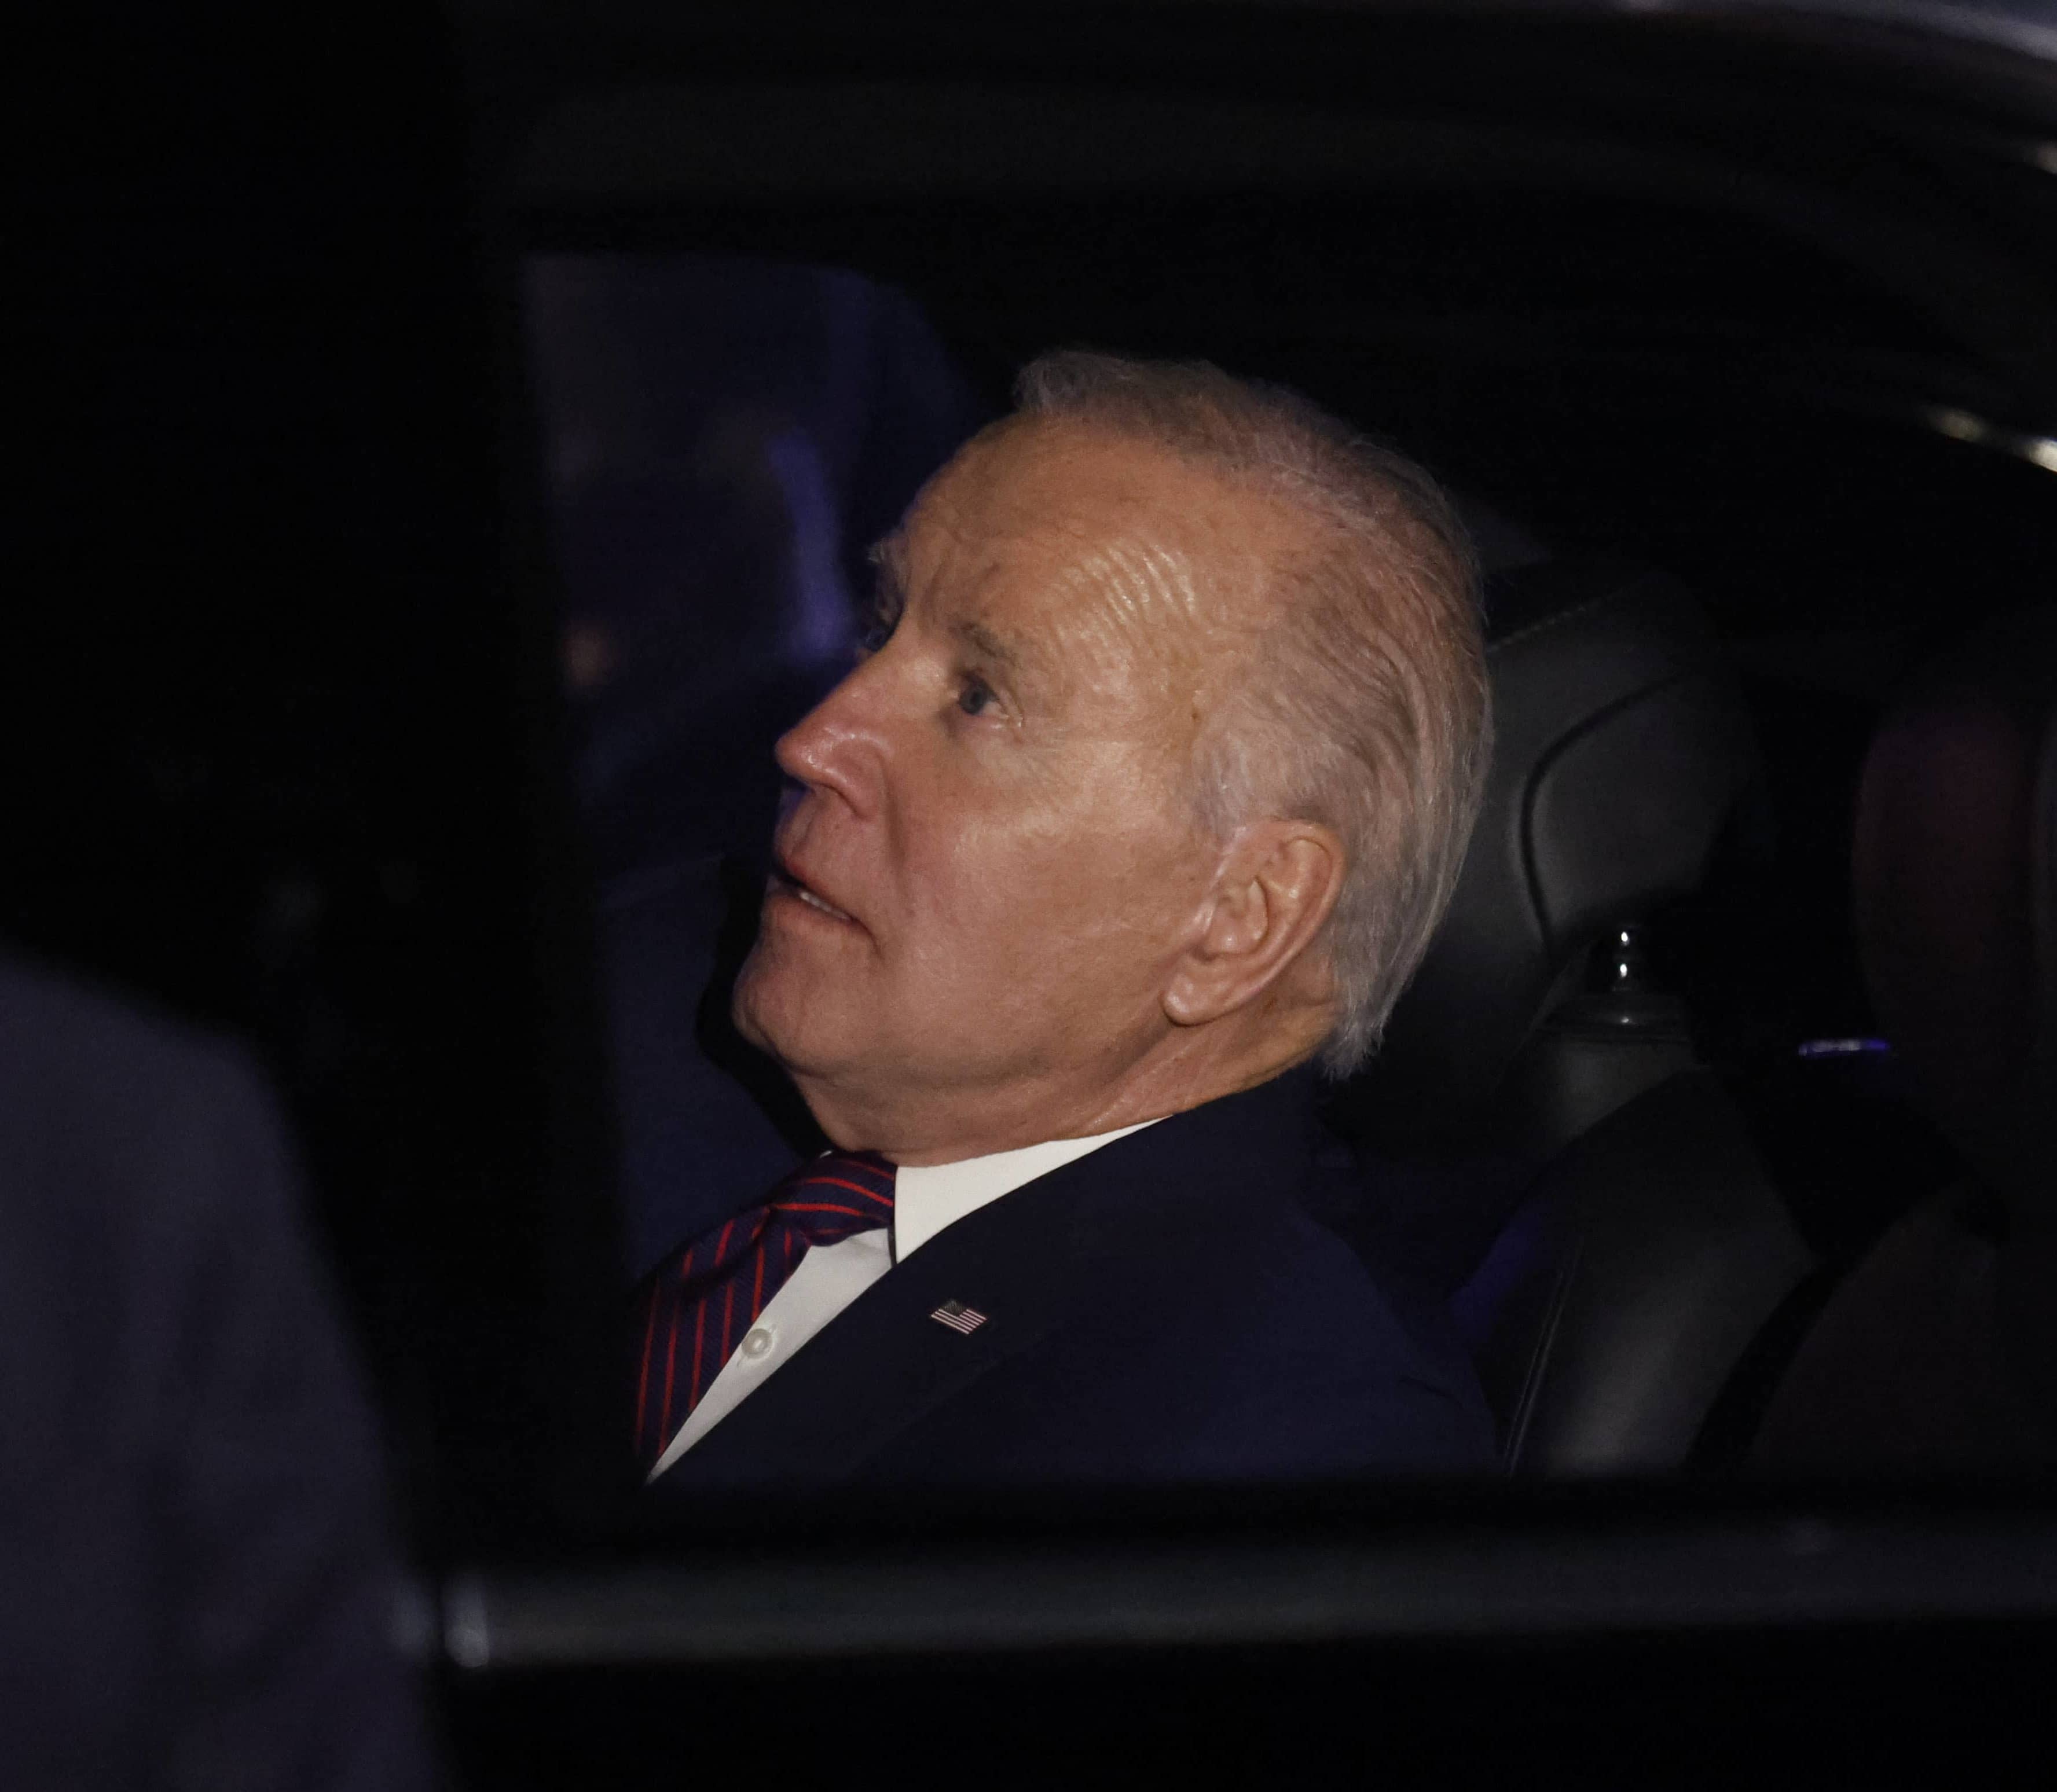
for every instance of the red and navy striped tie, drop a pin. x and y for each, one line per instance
(701, 1298)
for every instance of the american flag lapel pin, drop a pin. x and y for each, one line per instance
(958, 1317)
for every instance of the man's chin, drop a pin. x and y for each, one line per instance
(745, 1011)
(782, 1023)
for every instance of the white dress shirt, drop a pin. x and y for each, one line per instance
(925, 1200)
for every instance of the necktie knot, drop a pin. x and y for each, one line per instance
(837, 1194)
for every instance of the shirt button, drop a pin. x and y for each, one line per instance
(756, 1341)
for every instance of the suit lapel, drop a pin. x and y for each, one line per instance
(1024, 1261)
(885, 1361)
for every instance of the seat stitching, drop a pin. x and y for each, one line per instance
(1543, 622)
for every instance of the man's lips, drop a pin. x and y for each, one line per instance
(786, 882)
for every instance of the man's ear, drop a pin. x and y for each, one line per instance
(1276, 888)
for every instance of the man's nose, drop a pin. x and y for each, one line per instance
(838, 747)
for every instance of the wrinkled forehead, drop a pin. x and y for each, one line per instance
(1093, 541)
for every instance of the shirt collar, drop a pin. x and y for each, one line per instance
(928, 1198)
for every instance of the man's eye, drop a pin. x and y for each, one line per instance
(974, 697)
(876, 635)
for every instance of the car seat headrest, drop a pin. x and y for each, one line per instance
(1954, 867)
(1621, 746)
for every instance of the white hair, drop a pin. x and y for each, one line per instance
(1368, 711)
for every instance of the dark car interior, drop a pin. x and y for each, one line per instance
(1720, 1118)
(1681, 371)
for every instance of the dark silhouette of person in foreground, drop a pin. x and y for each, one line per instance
(198, 1580)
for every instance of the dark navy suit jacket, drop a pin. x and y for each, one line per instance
(1168, 1308)
(196, 1579)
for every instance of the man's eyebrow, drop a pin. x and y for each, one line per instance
(993, 647)
(888, 556)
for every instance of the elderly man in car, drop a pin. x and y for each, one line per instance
(1139, 810)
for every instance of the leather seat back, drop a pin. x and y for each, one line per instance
(1955, 893)
(1621, 747)
(1939, 1350)
(1631, 1244)
(1609, 1316)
